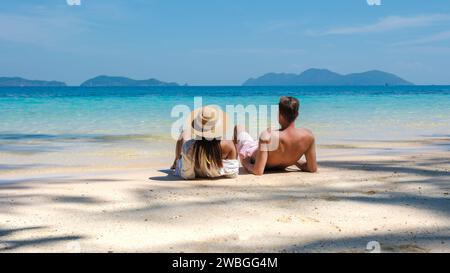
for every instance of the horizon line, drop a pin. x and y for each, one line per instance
(224, 85)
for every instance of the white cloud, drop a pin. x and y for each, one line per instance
(283, 25)
(22, 29)
(39, 29)
(389, 24)
(256, 51)
(442, 36)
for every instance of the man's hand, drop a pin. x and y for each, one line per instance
(246, 163)
(303, 166)
(260, 163)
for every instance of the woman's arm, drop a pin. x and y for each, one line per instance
(184, 136)
(187, 170)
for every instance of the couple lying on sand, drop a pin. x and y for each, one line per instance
(209, 156)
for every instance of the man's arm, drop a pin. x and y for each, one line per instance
(260, 163)
(311, 163)
(261, 155)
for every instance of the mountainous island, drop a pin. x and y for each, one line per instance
(21, 82)
(108, 81)
(326, 77)
(309, 77)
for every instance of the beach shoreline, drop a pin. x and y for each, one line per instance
(99, 100)
(391, 192)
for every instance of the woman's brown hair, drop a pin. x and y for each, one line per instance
(207, 156)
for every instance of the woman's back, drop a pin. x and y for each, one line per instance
(207, 155)
(191, 168)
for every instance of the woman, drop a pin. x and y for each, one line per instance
(207, 155)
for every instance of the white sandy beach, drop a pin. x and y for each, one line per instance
(395, 193)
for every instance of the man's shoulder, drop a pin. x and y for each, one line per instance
(266, 136)
(299, 135)
(304, 132)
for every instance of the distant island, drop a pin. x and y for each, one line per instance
(326, 77)
(309, 77)
(108, 81)
(21, 82)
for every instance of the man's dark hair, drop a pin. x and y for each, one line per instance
(288, 107)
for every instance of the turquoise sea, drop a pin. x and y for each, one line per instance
(333, 113)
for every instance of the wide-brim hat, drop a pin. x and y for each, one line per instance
(208, 122)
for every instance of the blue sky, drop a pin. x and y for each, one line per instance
(222, 42)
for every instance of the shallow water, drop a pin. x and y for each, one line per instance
(56, 131)
(94, 115)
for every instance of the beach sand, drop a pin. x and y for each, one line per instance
(395, 193)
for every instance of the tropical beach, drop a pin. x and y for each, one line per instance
(236, 131)
(111, 190)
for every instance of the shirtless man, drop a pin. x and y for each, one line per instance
(278, 149)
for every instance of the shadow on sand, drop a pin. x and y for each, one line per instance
(16, 245)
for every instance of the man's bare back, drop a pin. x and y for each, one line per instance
(281, 149)
(278, 149)
(293, 143)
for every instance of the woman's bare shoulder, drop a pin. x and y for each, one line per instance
(228, 147)
(227, 144)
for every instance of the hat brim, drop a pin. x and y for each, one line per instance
(218, 131)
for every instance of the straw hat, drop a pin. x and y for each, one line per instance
(208, 122)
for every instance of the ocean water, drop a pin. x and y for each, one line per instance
(332, 113)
